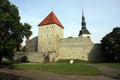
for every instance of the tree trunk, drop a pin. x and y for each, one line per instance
(0, 60)
(18, 48)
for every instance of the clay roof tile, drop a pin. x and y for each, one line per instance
(51, 19)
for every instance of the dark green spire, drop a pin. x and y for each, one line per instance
(83, 24)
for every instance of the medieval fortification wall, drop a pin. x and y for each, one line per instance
(79, 48)
(70, 48)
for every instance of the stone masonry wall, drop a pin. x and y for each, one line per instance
(31, 56)
(75, 48)
(32, 45)
(80, 48)
(96, 54)
(69, 48)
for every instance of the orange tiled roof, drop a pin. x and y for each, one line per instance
(51, 19)
(27, 40)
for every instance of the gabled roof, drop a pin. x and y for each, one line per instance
(51, 19)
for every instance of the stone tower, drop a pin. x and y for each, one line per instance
(84, 32)
(50, 30)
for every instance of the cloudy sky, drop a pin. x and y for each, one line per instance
(101, 15)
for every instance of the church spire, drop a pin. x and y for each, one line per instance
(83, 30)
(83, 20)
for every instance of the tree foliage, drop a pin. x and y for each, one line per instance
(111, 45)
(12, 31)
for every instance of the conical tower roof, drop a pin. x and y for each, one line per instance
(51, 19)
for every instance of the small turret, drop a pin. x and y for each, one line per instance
(27, 40)
(84, 32)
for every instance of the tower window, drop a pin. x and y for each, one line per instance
(82, 56)
(88, 36)
(52, 26)
(57, 35)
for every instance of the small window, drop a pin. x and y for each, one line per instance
(57, 35)
(88, 36)
(49, 42)
(47, 35)
(82, 56)
(52, 34)
(52, 26)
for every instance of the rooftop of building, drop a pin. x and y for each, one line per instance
(51, 19)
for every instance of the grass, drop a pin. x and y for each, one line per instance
(64, 68)
(112, 65)
(68, 61)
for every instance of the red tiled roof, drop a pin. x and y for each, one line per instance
(27, 40)
(51, 19)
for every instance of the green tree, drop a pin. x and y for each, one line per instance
(12, 31)
(111, 45)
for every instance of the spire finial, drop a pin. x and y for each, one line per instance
(82, 12)
(52, 8)
(83, 19)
